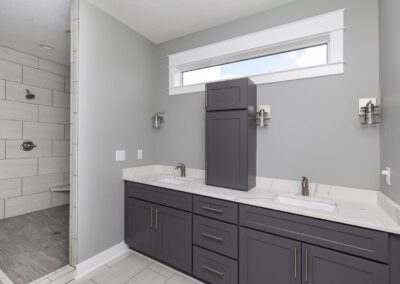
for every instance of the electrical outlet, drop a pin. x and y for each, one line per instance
(387, 172)
(120, 155)
(140, 154)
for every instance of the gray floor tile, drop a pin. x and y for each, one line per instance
(147, 276)
(123, 271)
(35, 244)
(181, 279)
(162, 269)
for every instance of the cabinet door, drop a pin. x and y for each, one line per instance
(226, 149)
(174, 237)
(268, 259)
(140, 234)
(227, 95)
(324, 266)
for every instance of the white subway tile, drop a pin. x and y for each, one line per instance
(14, 151)
(34, 130)
(53, 115)
(1, 209)
(60, 148)
(10, 129)
(41, 183)
(75, 9)
(27, 204)
(53, 165)
(43, 79)
(17, 168)
(2, 149)
(18, 57)
(53, 67)
(61, 99)
(74, 98)
(17, 92)
(10, 188)
(73, 192)
(75, 65)
(75, 34)
(2, 89)
(10, 71)
(59, 198)
(18, 111)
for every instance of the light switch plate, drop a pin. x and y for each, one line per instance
(120, 155)
(140, 154)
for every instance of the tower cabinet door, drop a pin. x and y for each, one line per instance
(140, 234)
(324, 266)
(226, 149)
(227, 95)
(268, 259)
(174, 237)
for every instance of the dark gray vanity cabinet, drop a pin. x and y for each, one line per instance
(230, 95)
(231, 134)
(223, 242)
(174, 237)
(140, 233)
(323, 266)
(159, 231)
(269, 259)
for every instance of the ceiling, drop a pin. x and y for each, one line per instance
(163, 20)
(24, 24)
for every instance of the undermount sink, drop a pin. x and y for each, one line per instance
(307, 202)
(174, 180)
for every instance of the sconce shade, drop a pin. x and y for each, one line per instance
(158, 119)
(370, 114)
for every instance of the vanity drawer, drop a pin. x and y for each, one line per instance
(163, 196)
(215, 208)
(216, 236)
(349, 239)
(214, 268)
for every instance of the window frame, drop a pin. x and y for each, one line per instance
(323, 29)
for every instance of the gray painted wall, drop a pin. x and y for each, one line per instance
(390, 86)
(115, 106)
(314, 130)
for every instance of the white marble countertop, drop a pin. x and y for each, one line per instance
(357, 207)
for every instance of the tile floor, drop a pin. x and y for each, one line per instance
(129, 268)
(34, 244)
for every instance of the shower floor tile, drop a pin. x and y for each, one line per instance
(35, 244)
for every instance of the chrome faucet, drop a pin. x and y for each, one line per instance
(182, 167)
(304, 187)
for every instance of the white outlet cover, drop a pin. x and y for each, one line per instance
(140, 154)
(120, 155)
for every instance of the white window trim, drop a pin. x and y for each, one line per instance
(329, 26)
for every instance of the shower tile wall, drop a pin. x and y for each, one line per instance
(26, 177)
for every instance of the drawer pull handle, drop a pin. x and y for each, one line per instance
(212, 210)
(212, 270)
(306, 267)
(151, 217)
(212, 237)
(156, 219)
(295, 262)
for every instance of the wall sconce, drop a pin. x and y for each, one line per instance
(158, 119)
(369, 111)
(263, 115)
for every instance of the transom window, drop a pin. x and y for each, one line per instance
(307, 48)
(293, 59)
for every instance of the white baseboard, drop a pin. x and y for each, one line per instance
(100, 259)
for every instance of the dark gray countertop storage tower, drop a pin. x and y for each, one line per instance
(231, 136)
